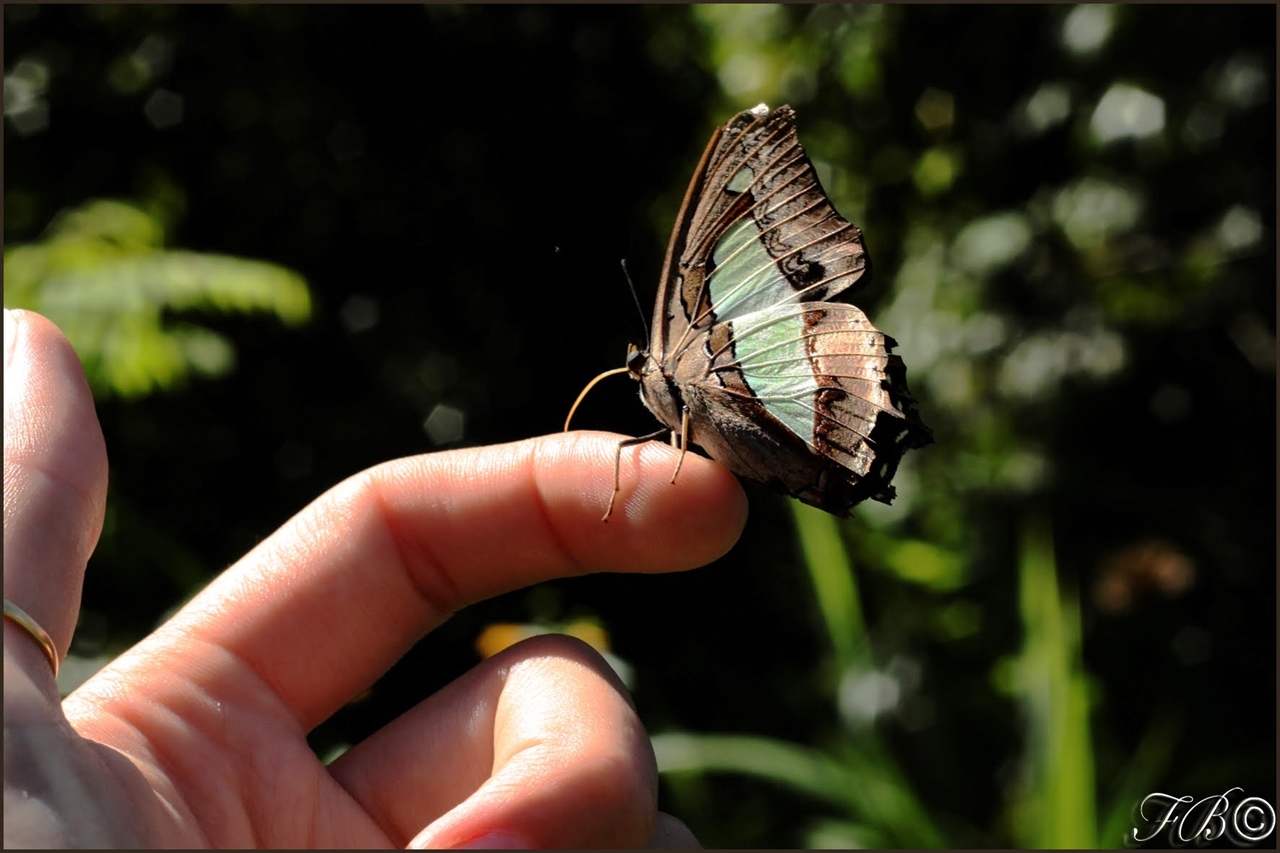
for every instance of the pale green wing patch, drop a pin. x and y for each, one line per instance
(771, 353)
(745, 279)
(787, 354)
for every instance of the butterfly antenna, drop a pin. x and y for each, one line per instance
(644, 321)
(590, 385)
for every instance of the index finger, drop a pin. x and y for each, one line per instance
(326, 604)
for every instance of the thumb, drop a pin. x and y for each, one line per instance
(55, 482)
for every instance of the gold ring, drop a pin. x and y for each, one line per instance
(24, 621)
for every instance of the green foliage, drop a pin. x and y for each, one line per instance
(835, 587)
(102, 274)
(1056, 808)
(858, 774)
(861, 780)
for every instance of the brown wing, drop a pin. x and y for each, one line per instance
(754, 188)
(821, 412)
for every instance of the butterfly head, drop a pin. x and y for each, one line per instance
(636, 359)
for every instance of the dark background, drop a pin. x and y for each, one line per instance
(474, 174)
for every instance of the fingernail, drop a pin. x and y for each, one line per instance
(495, 841)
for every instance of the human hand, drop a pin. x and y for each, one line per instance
(197, 736)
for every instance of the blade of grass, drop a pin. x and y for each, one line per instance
(833, 585)
(1144, 770)
(878, 793)
(802, 769)
(1058, 809)
(865, 783)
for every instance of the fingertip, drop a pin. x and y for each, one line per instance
(49, 409)
(548, 751)
(703, 511)
(670, 833)
(662, 525)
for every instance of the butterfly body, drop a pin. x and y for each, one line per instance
(754, 355)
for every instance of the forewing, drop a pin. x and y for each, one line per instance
(756, 231)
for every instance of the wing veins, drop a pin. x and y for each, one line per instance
(718, 228)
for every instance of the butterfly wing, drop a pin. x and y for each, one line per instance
(754, 190)
(781, 384)
(808, 398)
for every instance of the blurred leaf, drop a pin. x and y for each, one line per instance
(841, 835)
(834, 586)
(804, 770)
(101, 275)
(926, 564)
(1143, 773)
(936, 170)
(1057, 809)
(863, 783)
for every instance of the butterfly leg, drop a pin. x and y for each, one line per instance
(683, 444)
(617, 464)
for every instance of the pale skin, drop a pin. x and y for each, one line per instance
(196, 737)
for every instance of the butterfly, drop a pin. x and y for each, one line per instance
(754, 356)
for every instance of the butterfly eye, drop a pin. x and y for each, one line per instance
(635, 358)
